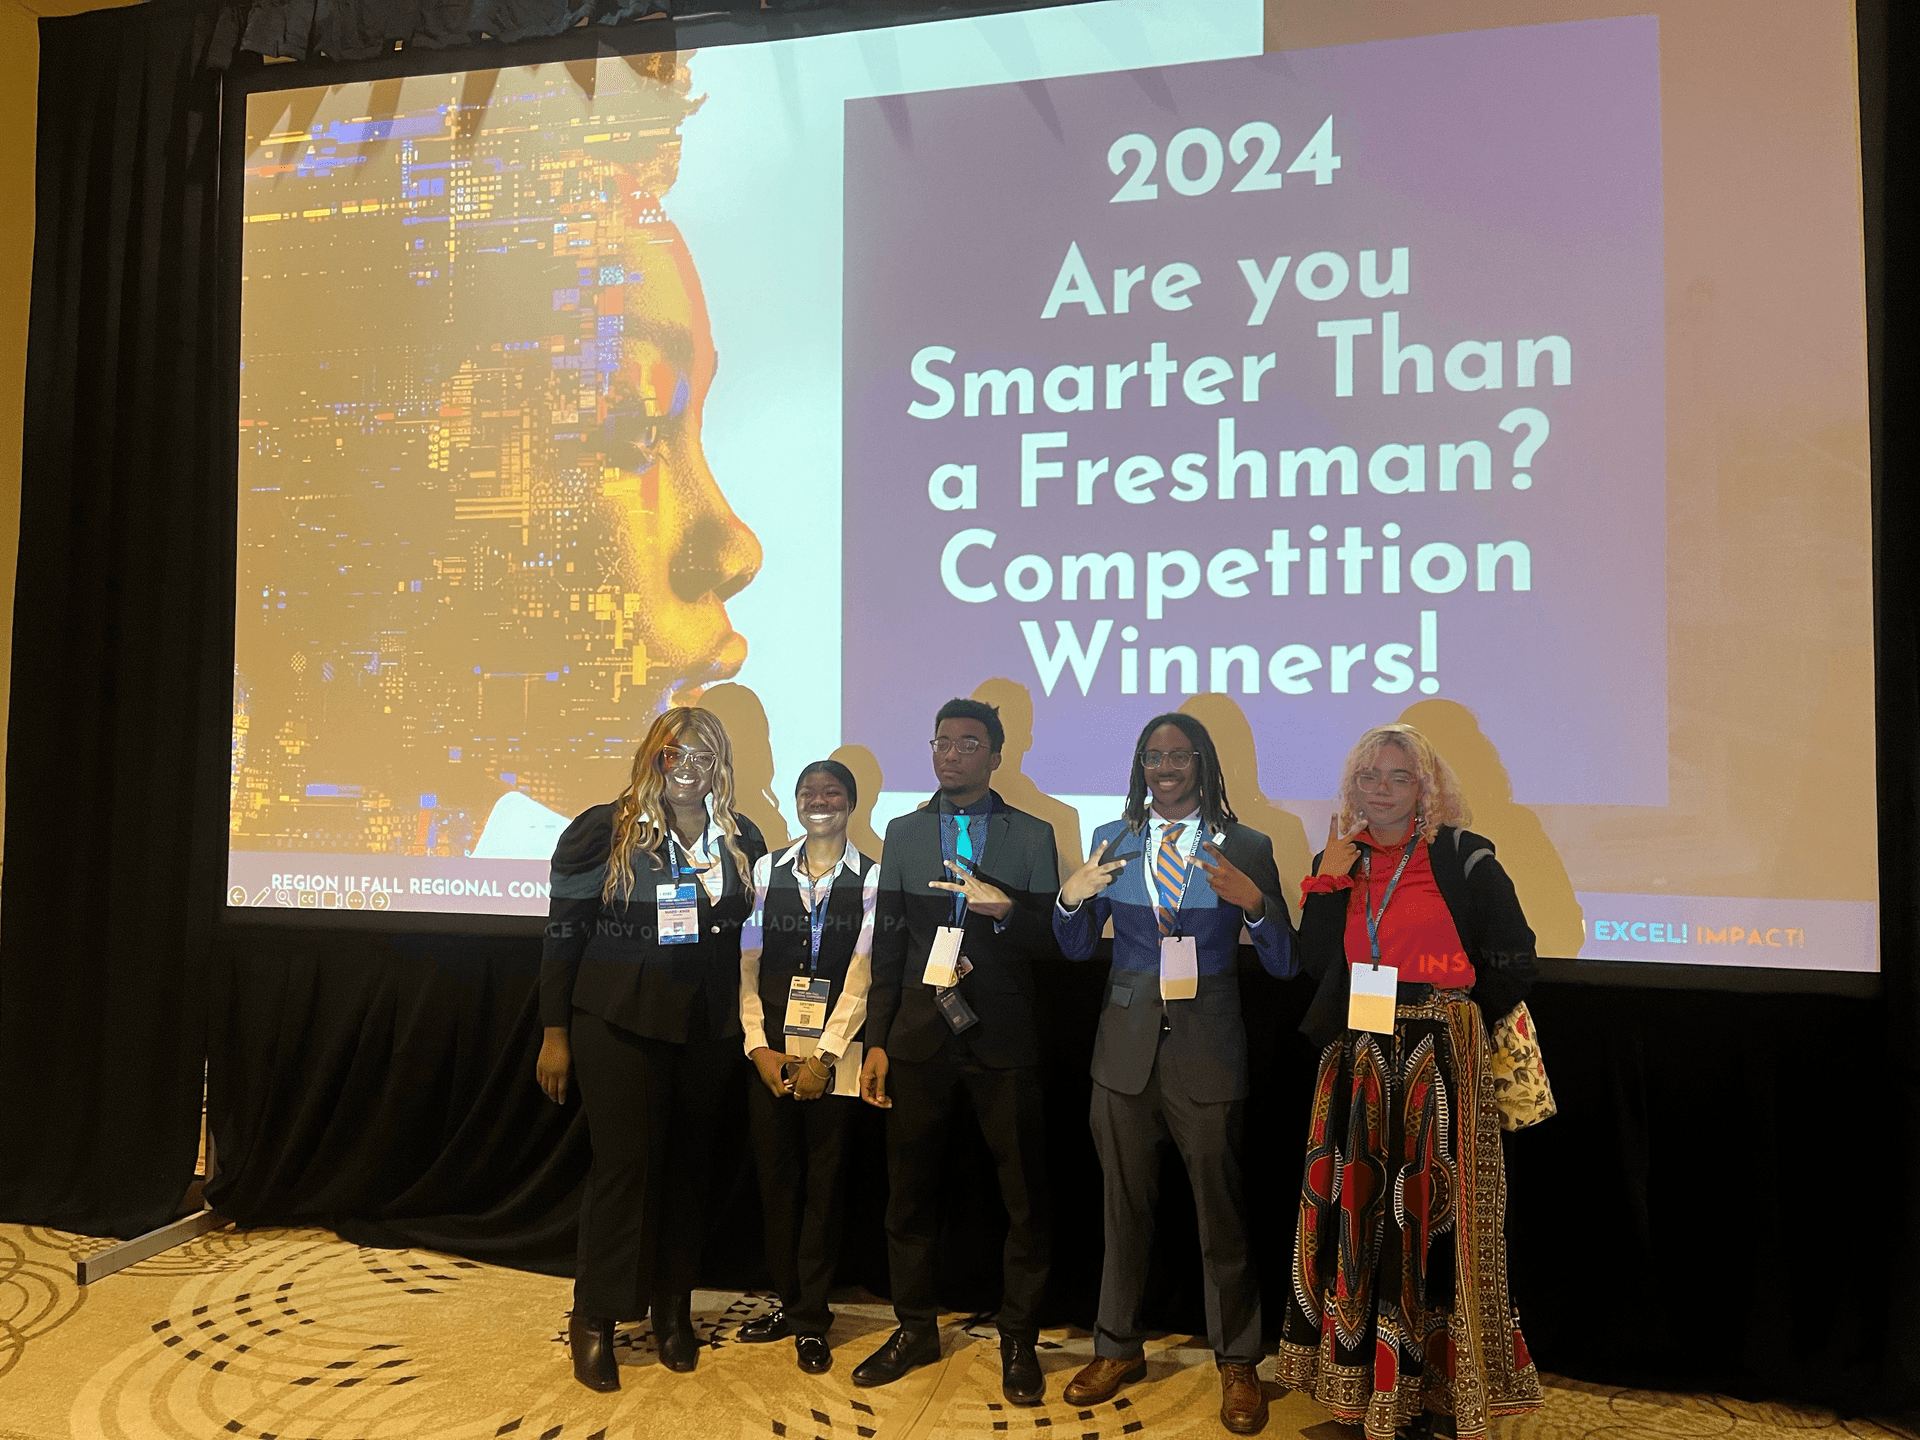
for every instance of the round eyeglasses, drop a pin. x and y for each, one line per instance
(1371, 782)
(1168, 759)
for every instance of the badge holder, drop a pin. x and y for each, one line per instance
(943, 960)
(1179, 968)
(1372, 998)
(807, 1007)
(679, 906)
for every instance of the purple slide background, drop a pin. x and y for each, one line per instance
(1521, 167)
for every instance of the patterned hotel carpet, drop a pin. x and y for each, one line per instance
(297, 1335)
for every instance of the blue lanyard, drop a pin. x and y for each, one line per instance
(674, 850)
(819, 916)
(1373, 920)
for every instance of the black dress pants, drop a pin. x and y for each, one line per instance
(1008, 1104)
(651, 1109)
(800, 1147)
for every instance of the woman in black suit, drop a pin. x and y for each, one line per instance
(639, 985)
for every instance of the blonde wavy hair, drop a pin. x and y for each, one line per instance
(1439, 802)
(640, 814)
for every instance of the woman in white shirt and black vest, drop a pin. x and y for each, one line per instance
(805, 966)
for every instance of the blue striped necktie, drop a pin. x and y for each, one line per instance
(1169, 878)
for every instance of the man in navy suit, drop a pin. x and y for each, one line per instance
(1179, 876)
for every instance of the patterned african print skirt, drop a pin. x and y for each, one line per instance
(1399, 1298)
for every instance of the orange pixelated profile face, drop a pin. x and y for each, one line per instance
(682, 551)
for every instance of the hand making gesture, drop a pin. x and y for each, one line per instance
(1091, 878)
(1341, 852)
(988, 899)
(1231, 883)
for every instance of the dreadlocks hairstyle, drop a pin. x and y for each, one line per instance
(640, 815)
(1439, 802)
(1215, 812)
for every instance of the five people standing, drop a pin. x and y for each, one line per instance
(911, 984)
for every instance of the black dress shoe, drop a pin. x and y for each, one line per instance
(905, 1350)
(774, 1325)
(815, 1357)
(1020, 1378)
(592, 1344)
(673, 1334)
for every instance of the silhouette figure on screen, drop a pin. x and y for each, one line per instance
(740, 710)
(865, 768)
(540, 557)
(1240, 771)
(1014, 701)
(1539, 876)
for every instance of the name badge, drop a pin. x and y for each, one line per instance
(1179, 968)
(807, 1007)
(679, 907)
(1371, 998)
(943, 960)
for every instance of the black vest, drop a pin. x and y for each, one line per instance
(787, 938)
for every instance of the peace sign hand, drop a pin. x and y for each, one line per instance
(988, 899)
(1091, 878)
(1341, 852)
(1232, 884)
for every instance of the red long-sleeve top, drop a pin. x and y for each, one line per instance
(1417, 933)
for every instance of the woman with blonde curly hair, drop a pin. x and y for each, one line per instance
(1399, 1308)
(639, 979)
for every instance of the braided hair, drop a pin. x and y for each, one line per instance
(1215, 811)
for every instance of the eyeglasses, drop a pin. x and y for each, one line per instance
(1171, 759)
(1372, 782)
(673, 757)
(966, 745)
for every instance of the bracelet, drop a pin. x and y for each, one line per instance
(822, 1073)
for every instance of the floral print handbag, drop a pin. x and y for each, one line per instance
(1520, 1087)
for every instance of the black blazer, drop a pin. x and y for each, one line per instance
(603, 957)
(1493, 931)
(1019, 858)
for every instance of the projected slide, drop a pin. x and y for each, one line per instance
(1101, 361)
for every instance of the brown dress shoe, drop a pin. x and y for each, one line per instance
(1243, 1404)
(1101, 1380)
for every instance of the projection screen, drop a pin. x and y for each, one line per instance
(1496, 367)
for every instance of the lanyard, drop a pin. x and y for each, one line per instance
(674, 850)
(1373, 920)
(817, 906)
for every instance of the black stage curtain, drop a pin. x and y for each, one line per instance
(121, 646)
(1729, 1198)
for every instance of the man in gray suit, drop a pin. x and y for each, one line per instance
(1178, 876)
